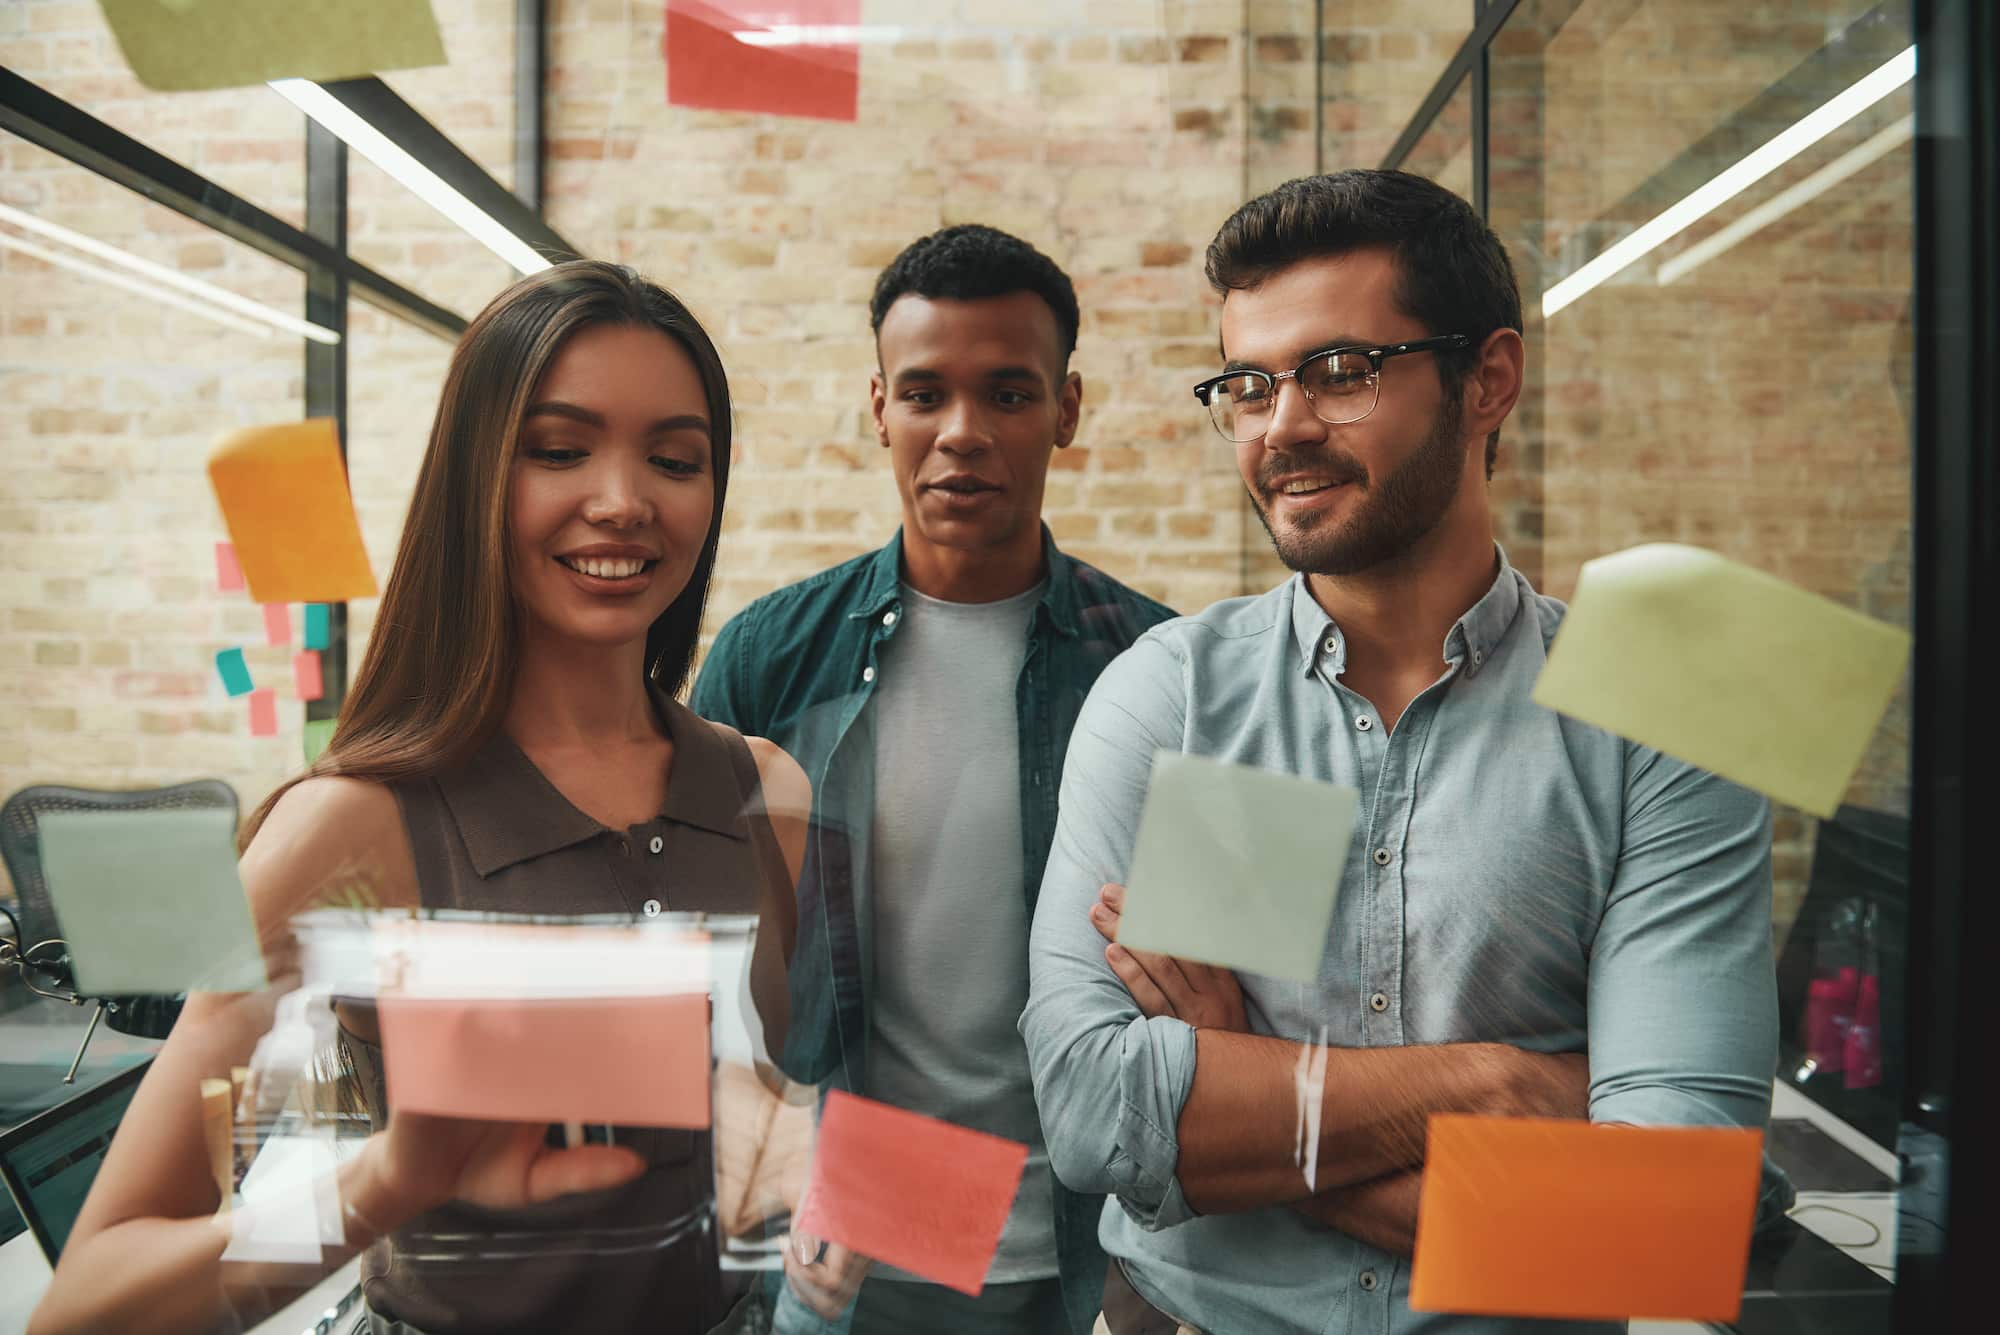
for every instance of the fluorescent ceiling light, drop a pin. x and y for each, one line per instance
(361, 136)
(151, 291)
(1817, 125)
(160, 274)
(1855, 159)
(819, 34)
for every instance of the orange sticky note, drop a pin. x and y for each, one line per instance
(626, 1060)
(910, 1190)
(306, 674)
(228, 574)
(284, 494)
(1534, 1217)
(264, 712)
(277, 623)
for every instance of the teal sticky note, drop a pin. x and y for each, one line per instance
(1237, 866)
(319, 626)
(319, 731)
(234, 671)
(150, 902)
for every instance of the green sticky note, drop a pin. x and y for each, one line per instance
(1237, 866)
(319, 626)
(149, 901)
(185, 45)
(319, 731)
(1726, 668)
(235, 673)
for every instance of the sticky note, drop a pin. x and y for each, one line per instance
(306, 675)
(277, 624)
(1236, 866)
(910, 1190)
(319, 626)
(626, 1060)
(264, 713)
(149, 901)
(799, 58)
(318, 732)
(184, 45)
(1533, 1217)
(1726, 668)
(235, 673)
(228, 574)
(283, 492)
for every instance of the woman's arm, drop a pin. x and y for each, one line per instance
(788, 806)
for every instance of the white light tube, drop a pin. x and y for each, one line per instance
(393, 158)
(1789, 143)
(819, 34)
(1862, 155)
(164, 276)
(151, 291)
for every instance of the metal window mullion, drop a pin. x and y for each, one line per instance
(326, 364)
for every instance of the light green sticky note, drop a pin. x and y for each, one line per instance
(149, 901)
(319, 731)
(1237, 866)
(178, 46)
(1726, 668)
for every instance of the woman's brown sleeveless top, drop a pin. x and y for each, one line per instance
(494, 835)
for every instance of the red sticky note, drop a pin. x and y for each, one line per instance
(228, 574)
(1534, 1217)
(277, 623)
(628, 1060)
(306, 674)
(784, 57)
(910, 1190)
(264, 712)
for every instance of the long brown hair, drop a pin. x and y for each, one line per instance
(439, 668)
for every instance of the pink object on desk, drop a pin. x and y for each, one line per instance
(910, 1190)
(1862, 1057)
(629, 1061)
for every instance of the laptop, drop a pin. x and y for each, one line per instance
(49, 1161)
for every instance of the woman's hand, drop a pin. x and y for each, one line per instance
(421, 1161)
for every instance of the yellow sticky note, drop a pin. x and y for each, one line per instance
(284, 495)
(1534, 1217)
(1726, 668)
(183, 45)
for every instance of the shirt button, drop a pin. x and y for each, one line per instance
(1331, 644)
(657, 844)
(1478, 657)
(651, 908)
(888, 618)
(1368, 1280)
(1382, 855)
(1378, 1003)
(1363, 722)
(868, 674)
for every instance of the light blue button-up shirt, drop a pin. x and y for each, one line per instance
(1515, 876)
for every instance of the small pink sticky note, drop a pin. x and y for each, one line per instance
(629, 1060)
(264, 712)
(228, 574)
(277, 623)
(306, 674)
(910, 1190)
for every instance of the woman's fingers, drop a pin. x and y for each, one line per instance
(554, 1173)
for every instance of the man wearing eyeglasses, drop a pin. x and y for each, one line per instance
(1521, 889)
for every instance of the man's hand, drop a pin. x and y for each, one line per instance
(824, 1275)
(1205, 996)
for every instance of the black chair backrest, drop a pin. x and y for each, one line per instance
(20, 838)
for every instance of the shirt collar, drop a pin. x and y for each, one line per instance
(507, 811)
(1472, 640)
(883, 585)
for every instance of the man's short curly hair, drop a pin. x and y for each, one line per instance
(972, 261)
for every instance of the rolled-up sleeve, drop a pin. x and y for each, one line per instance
(1683, 1007)
(1109, 1082)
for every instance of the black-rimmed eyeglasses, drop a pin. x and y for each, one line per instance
(1340, 385)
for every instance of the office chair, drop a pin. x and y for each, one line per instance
(38, 947)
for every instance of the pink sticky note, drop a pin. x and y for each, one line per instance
(228, 574)
(629, 1061)
(264, 712)
(910, 1190)
(306, 674)
(277, 623)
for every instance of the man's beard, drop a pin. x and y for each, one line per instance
(1391, 518)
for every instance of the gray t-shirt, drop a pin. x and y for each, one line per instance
(951, 917)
